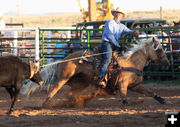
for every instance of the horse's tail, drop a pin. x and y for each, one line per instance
(47, 74)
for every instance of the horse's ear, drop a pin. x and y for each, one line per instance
(38, 60)
(154, 40)
(156, 43)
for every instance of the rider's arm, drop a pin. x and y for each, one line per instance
(109, 35)
(126, 30)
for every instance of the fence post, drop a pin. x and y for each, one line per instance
(43, 57)
(49, 45)
(37, 43)
(88, 39)
(171, 57)
(15, 43)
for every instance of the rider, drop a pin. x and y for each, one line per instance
(113, 30)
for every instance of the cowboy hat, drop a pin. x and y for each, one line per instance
(117, 10)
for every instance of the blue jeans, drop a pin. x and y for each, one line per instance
(105, 47)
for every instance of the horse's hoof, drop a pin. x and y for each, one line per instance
(159, 99)
(9, 113)
(125, 102)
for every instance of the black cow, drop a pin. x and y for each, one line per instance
(13, 72)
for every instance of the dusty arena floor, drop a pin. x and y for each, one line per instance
(100, 112)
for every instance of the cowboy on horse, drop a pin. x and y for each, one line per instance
(113, 30)
(126, 76)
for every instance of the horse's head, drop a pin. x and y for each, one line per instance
(157, 54)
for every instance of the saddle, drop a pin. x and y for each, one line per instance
(94, 57)
(89, 56)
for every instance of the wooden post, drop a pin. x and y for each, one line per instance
(92, 10)
(161, 13)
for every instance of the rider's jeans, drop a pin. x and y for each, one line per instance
(106, 48)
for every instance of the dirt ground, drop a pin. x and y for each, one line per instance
(105, 111)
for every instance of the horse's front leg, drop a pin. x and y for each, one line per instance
(147, 92)
(123, 85)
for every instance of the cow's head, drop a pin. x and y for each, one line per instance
(34, 72)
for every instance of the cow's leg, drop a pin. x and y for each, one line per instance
(13, 94)
(147, 92)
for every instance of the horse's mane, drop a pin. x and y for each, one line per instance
(137, 47)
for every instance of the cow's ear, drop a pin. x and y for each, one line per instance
(39, 60)
(36, 63)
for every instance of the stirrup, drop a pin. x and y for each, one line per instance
(101, 82)
(83, 59)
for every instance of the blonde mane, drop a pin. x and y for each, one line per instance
(137, 47)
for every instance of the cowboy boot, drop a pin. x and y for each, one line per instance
(101, 82)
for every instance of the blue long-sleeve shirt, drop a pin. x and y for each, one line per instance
(113, 31)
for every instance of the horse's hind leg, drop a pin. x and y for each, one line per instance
(57, 87)
(147, 92)
(63, 75)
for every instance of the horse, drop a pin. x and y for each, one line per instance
(128, 74)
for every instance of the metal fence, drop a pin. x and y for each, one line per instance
(41, 43)
(89, 38)
(22, 42)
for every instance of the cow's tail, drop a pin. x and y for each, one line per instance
(47, 74)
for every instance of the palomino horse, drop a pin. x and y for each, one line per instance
(127, 76)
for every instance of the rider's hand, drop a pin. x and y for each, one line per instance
(122, 48)
(136, 33)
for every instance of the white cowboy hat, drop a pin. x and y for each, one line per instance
(117, 10)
